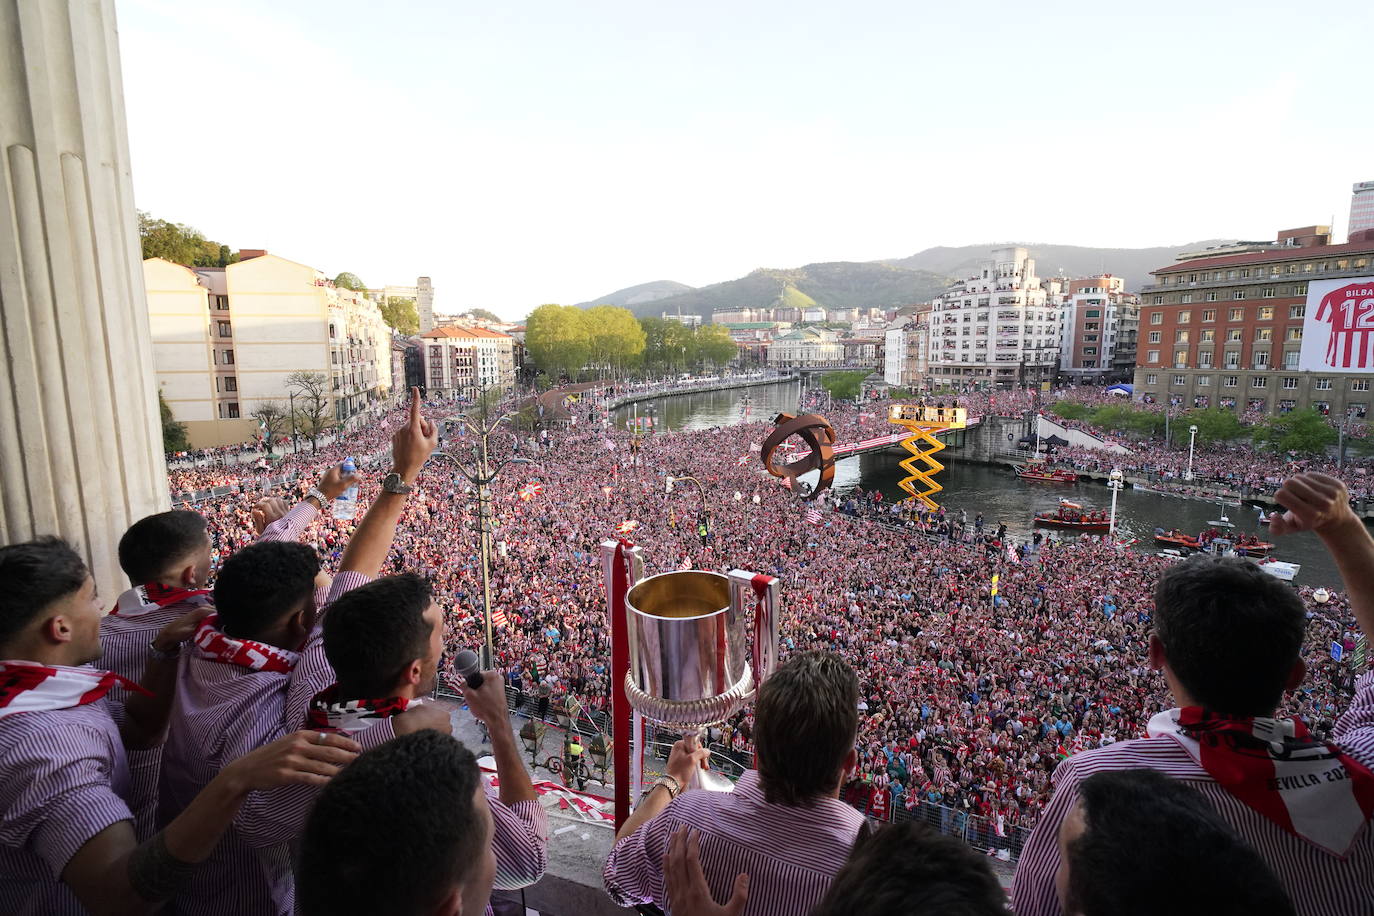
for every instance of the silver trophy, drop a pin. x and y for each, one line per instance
(690, 664)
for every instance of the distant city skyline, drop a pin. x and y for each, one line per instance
(546, 153)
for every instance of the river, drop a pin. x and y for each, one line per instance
(994, 491)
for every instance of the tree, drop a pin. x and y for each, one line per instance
(347, 280)
(1214, 424)
(616, 338)
(715, 344)
(180, 244)
(1070, 410)
(273, 420)
(843, 384)
(401, 315)
(173, 432)
(484, 315)
(557, 339)
(311, 391)
(1307, 431)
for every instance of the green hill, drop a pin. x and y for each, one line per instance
(643, 294)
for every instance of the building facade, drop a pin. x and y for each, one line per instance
(464, 362)
(264, 319)
(802, 347)
(997, 328)
(1227, 331)
(906, 362)
(1361, 207)
(1098, 322)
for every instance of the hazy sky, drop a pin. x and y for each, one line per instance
(532, 152)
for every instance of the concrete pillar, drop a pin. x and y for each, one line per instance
(80, 433)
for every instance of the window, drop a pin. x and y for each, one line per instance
(1290, 383)
(1233, 335)
(1204, 359)
(1259, 381)
(1181, 359)
(231, 383)
(233, 410)
(224, 329)
(1090, 351)
(1238, 294)
(1359, 384)
(1156, 318)
(1180, 381)
(1262, 359)
(1267, 292)
(1266, 313)
(1209, 315)
(1262, 334)
(1230, 381)
(1204, 381)
(1159, 300)
(1291, 358)
(222, 303)
(1152, 356)
(1294, 334)
(1181, 336)
(1094, 313)
(1237, 315)
(1186, 297)
(1154, 336)
(1323, 384)
(1210, 297)
(1209, 335)
(228, 357)
(1230, 274)
(1151, 379)
(1232, 359)
(1185, 316)
(1300, 289)
(1297, 311)
(333, 331)
(1259, 404)
(1287, 406)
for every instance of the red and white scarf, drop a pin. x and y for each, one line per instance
(153, 595)
(352, 716)
(1309, 788)
(213, 644)
(31, 687)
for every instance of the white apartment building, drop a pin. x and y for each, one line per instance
(225, 340)
(907, 351)
(466, 361)
(1098, 325)
(996, 328)
(1361, 207)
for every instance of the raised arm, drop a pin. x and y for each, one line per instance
(1320, 504)
(274, 523)
(411, 446)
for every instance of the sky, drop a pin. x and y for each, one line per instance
(536, 152)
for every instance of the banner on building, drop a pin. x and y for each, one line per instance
(1338, 327)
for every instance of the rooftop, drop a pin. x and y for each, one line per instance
(463, 333)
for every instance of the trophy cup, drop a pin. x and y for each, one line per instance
(679, 647)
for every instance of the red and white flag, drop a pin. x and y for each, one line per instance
(813, 516)
(626, 527)
(498, 618)
(531, 490)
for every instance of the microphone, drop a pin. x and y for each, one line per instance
(468, 666)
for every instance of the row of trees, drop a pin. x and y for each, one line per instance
(1305, 431)
(180, 244)
(399, 312)
(609, 340)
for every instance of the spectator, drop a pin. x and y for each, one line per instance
(1184, 859)
(67, 839)
(404, 831)
(783, 825)
(1228, 639)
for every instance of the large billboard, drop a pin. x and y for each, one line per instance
(1338, 329)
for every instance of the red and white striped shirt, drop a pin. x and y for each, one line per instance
(1319, 883)
(223, 711)
(790, 854)
(64, 778)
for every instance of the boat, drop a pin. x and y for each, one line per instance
(1072, 517)
(1055, 475)
(1176, 538)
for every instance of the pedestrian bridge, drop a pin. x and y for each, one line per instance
(878, 443)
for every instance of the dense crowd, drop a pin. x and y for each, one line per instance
(982, 662)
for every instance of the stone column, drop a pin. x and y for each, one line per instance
(80, 433)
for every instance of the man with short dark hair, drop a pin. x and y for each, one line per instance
(1228, 639)
(405, 830)
(67, 840)
(1184, 859)
(784, 824)
(249, 676)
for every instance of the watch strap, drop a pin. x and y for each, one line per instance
(320, 497)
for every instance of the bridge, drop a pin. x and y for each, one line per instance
(878, 443)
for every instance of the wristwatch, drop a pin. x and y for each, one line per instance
(319, 498)
(671, 784)
(395, 483)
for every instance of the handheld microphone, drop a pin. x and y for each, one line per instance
(468, 666)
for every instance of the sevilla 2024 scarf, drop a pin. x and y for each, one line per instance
(1310, 788)
(351, 716)
(153, 595)
(31, 687)
(211, 643)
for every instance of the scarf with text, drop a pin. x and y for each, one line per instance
(31, 687)
(1309, 788)
(153, 595)
(351, 716)
(211, 643)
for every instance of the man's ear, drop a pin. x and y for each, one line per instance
(56, 629)
(1156, 653)
(452, 905)
(414, 673)
(187, 578)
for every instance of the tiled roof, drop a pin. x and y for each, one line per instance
(464, 333)
(1264, 257)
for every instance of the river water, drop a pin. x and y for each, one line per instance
(994, 491)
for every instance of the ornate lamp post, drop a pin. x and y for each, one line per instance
(1115, 480)
(1192, 438)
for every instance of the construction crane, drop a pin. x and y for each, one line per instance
(924, 423)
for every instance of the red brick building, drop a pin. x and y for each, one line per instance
(1225, 329)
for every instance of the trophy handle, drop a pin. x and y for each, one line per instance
(760, 593)
(623, 566)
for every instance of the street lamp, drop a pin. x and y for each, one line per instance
(1192, 437)
(481, 475)
(1115, 480)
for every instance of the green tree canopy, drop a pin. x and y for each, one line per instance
(616, 338)
(558, 339)
(173, 432)
(180, 244)
(1306, 431)
(401, 315)
(347, 280)
(843, 384)
(485, 315)
(715, 344)
(1214, 424)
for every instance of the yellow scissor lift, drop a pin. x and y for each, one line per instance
(925, 423)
